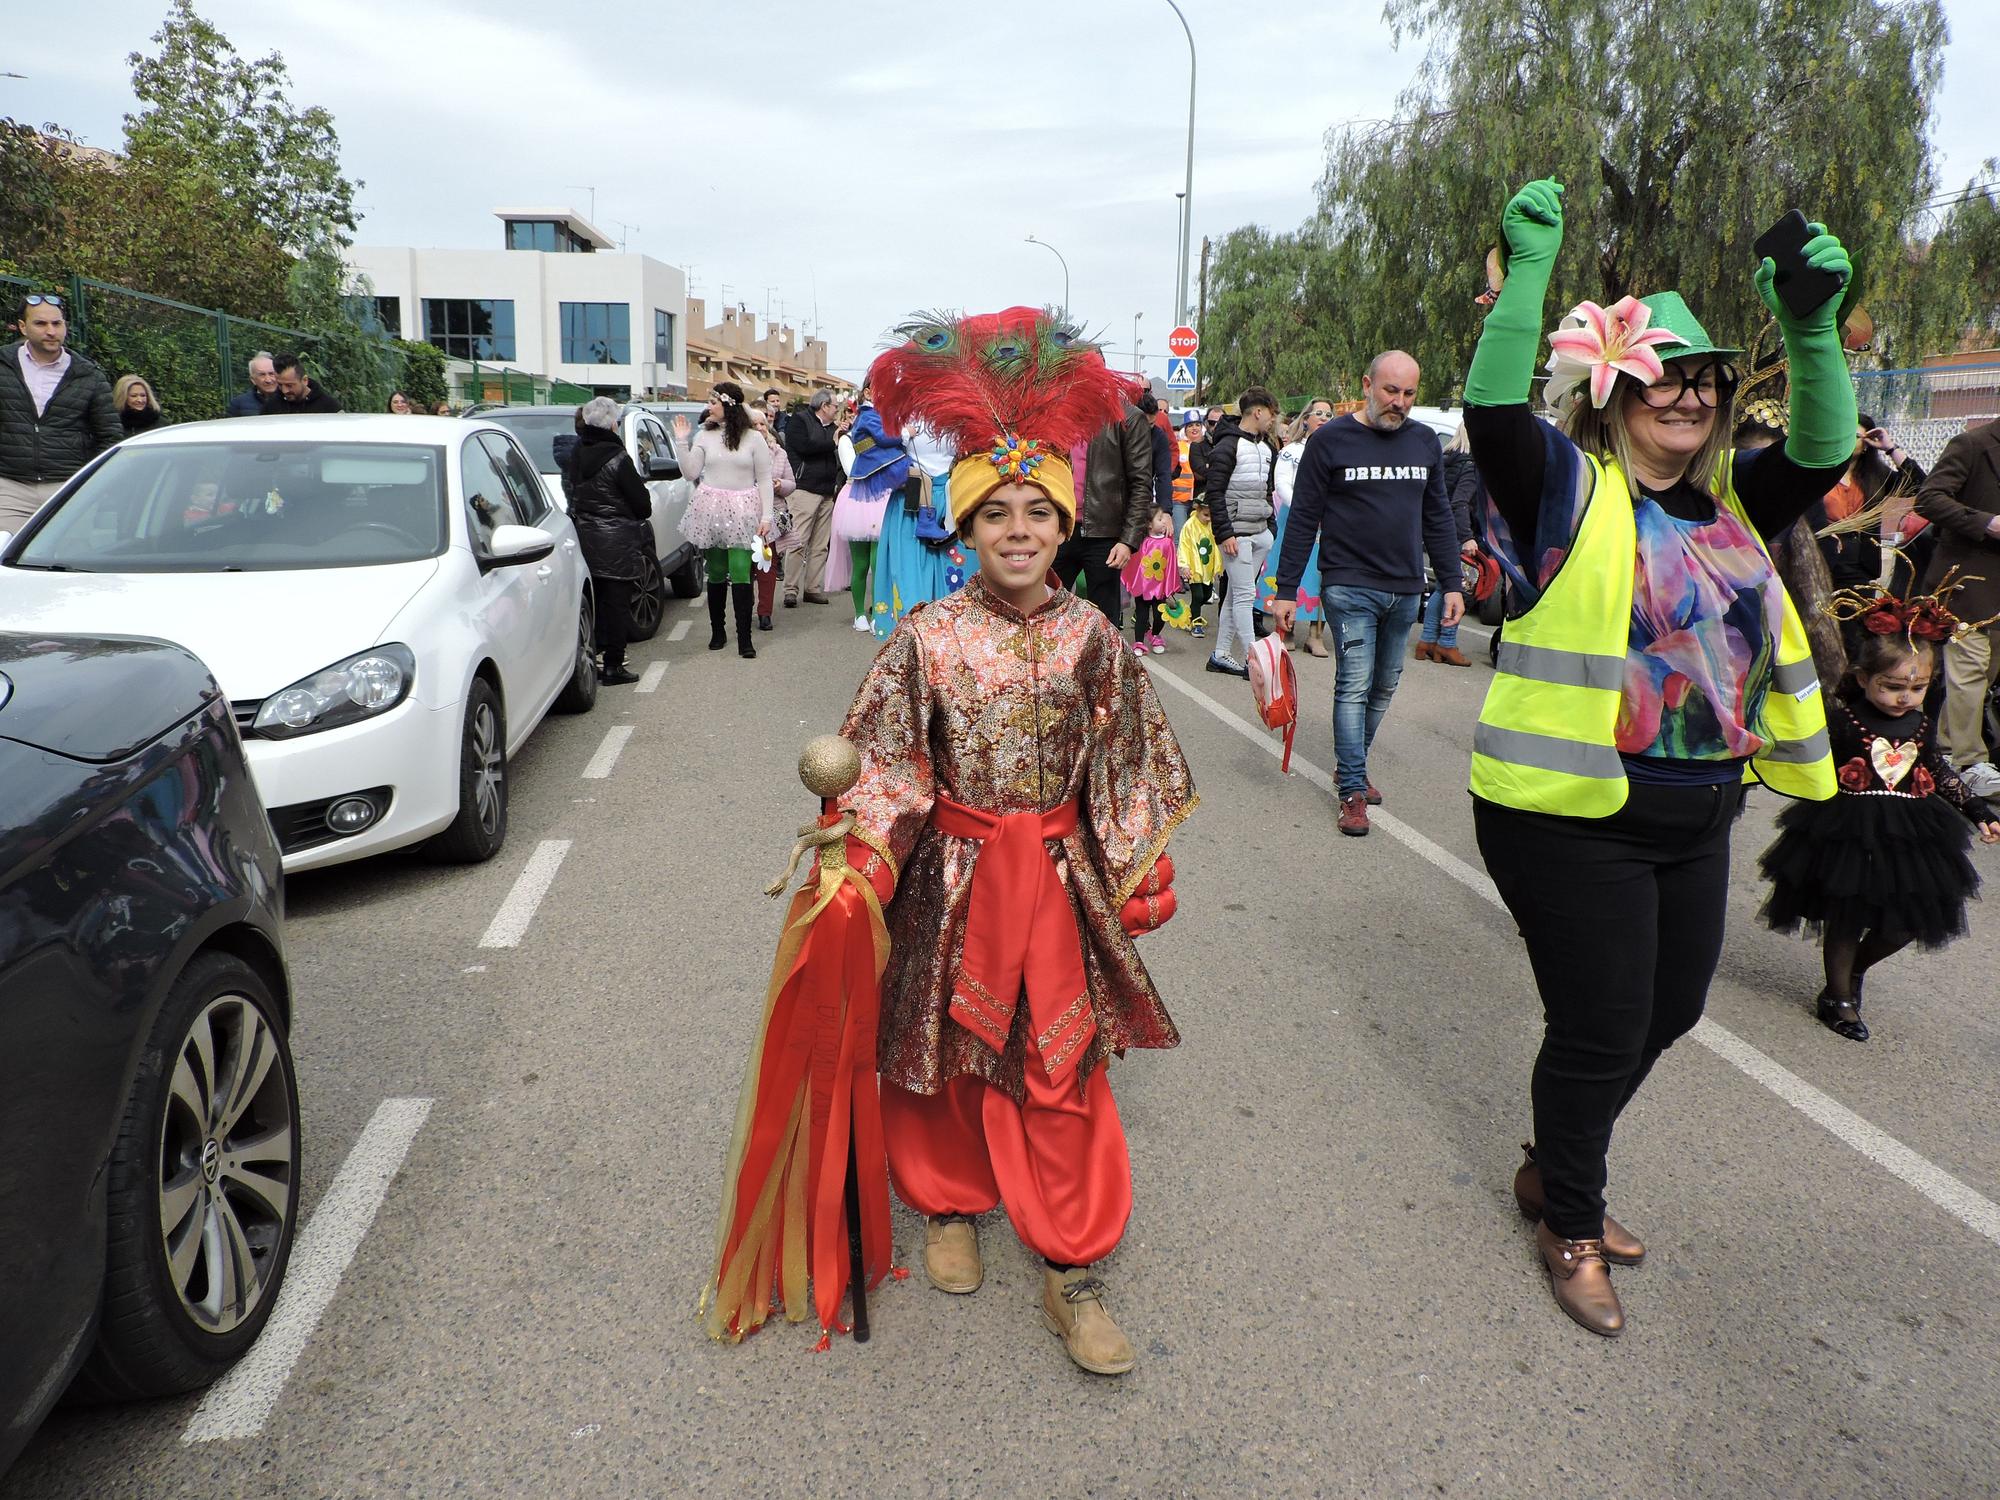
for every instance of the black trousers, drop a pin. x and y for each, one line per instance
(1623, 918)
(614, 612)
(1089, 556)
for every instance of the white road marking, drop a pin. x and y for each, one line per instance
(240, 1403)
(680, 631)
(510, 923)
(649, 680)
(1962, 1202)
(608, 752)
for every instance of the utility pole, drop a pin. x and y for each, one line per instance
(1187, 194)
(1201, 313)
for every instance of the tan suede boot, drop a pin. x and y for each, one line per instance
(951, 1255)
(1073, 1309)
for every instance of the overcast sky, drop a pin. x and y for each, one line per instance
(853, 163)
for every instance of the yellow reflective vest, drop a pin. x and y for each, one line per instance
(1546, 740)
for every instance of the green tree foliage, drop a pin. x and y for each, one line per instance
(1681, 129)
(423, 374)
(1942, 294)
(232, 119)
(1273, 318)
(29, 171)
(361, 366)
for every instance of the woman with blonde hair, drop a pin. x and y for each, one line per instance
(138, 408)
(1654, 668)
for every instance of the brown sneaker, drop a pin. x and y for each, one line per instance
(1621, 1246)
(1581, 1281)
(1073, 1309)
(1425, 650)
(1451, 656)
(951, 1255)
(1354, 815)
(1374, 797)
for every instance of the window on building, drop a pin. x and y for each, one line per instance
(546, 234)
(663, 336)
(389, 316)
(596, 333)
(471, 328)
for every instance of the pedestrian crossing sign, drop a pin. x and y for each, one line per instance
(1180, 374)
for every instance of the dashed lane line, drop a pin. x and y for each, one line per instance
(240, 1403)
(680, 630)
(510, 923)
(606, 758)
(1962, 1202)
(649, 680)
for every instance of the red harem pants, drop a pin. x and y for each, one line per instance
(1058, 1162)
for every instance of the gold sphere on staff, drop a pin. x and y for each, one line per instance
(829, 766)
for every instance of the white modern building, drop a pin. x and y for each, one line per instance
(556, 298)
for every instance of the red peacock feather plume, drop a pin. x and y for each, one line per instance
(1024, 373)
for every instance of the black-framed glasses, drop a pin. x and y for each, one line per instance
(1713, 384)
(43, 299)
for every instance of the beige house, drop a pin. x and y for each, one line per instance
(731, 350)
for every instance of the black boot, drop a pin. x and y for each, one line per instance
(740, 600)
(613, 672)
(718, 636)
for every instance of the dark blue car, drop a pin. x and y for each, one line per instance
(149, 1120)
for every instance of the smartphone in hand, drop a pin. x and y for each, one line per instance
(1800, 287)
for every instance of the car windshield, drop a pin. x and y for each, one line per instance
(536, 428)
(247, 506)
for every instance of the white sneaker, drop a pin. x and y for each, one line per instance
(1981, 778)
(861, 624)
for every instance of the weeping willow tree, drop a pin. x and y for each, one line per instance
(1680, 128)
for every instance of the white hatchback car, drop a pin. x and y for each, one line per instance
(391, 604)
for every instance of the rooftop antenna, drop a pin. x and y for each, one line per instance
(625, 229)
(580, 187)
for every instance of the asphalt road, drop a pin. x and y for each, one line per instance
(1325, 1276)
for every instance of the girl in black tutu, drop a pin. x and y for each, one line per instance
(1885, 863)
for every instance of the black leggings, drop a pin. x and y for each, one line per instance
(1623, 918)
(1145, 619)
(614, 612)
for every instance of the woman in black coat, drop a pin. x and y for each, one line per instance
(611, 508)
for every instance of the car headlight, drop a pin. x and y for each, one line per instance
(368, 683)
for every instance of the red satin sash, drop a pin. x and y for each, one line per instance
(1020, 935)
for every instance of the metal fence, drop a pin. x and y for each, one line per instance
(193, 357)
(1928, 407)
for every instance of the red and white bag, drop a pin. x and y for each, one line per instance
(1275, 685)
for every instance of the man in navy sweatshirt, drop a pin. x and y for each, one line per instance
(1370, 491)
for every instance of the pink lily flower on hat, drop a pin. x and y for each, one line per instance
(1608, 342)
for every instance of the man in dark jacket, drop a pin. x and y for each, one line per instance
(1117, 508)
(263, 374)
(610, 507)
(56, 412)
(1961, 500)
(812, 443)
(296, 392)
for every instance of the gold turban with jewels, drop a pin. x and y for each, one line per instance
(1013, 391)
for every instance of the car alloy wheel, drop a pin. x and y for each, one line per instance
(228, 1156)
(649, 599)
(490, 772)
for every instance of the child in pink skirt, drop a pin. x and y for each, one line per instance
(1152, 576)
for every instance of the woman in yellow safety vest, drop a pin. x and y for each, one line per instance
(1653, 665)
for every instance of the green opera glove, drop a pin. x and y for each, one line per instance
(1822, 391)
(1503, 366)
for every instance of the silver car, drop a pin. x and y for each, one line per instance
(672, 564)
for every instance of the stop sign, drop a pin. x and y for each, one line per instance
(1182, 342)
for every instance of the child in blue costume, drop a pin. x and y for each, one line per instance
(919, 557)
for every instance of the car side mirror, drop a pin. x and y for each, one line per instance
(663, 467)
(511, 546)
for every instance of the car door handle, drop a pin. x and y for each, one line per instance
(570, 545)
(545, 572)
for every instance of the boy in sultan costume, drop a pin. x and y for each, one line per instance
(1018, 784)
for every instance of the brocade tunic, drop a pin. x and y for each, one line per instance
(1009, 713)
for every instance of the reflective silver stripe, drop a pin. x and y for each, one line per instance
(1794, 677)
(1562, 668)
(1520, 748)
(1795, 752)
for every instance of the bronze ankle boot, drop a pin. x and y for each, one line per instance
(1581, 1281)
(1621, 1246)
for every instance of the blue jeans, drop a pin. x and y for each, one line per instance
(1370, 628)
(1436, 632)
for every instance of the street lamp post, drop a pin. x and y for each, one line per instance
(1065, 265)
(1138, 363)
(1187, 194)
